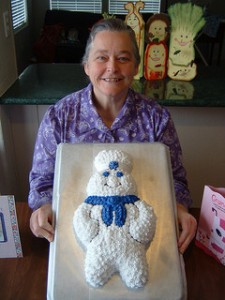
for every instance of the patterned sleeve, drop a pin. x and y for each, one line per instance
(42, 172)
(167, 135)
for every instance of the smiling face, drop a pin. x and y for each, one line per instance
(111, 65)
(183, 38)
(112, 175)
(157, 30)
(111, 182)
(133, 21)
(157, 55)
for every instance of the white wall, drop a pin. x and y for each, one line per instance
(202, 135)
(8, 178)
(20, 125)
(8, 74)
(8, 69)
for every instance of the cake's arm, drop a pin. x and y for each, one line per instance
(85, 226)
(142, 222)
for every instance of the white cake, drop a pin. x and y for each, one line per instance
(113, 224)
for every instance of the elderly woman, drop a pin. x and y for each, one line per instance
(106, 111)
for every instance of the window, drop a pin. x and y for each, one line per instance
(99, 6)
(19, 13)
(117, 6)
(77, 5)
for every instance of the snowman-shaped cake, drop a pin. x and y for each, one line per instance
(113, 224)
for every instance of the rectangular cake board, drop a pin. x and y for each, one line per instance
(152, 173)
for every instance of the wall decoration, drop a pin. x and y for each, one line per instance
(156, 52)
(186, 21)
(156, 55)
(135, 21)
(157, 28)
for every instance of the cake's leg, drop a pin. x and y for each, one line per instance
(97, 270)
(134, 271)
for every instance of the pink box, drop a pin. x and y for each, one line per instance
(211, 228)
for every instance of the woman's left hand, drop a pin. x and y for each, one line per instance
(188, 226)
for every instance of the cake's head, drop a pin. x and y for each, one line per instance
(112, 176)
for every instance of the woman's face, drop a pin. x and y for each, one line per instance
(111, 64)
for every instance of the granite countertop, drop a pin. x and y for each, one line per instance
(47, 83)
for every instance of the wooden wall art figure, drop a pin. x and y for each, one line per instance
(135, 21)
(157, 28)
(155, 66)
(156, 52)
(186, 21)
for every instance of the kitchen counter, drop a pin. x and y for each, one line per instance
(45, 84)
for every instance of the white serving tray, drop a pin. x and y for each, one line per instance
(152, 173)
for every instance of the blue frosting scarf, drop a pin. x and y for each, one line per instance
(110, 204)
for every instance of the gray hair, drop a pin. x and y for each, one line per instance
(113, 25)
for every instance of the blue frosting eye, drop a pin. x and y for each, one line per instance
(113, 165)
(105, 174)
(119, 174)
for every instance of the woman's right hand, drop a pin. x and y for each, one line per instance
(41, 222)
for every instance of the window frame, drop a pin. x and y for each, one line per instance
(77, 5)
(105, 6)
(23, 20)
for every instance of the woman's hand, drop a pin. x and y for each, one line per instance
(188, 226)
(41, 222)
